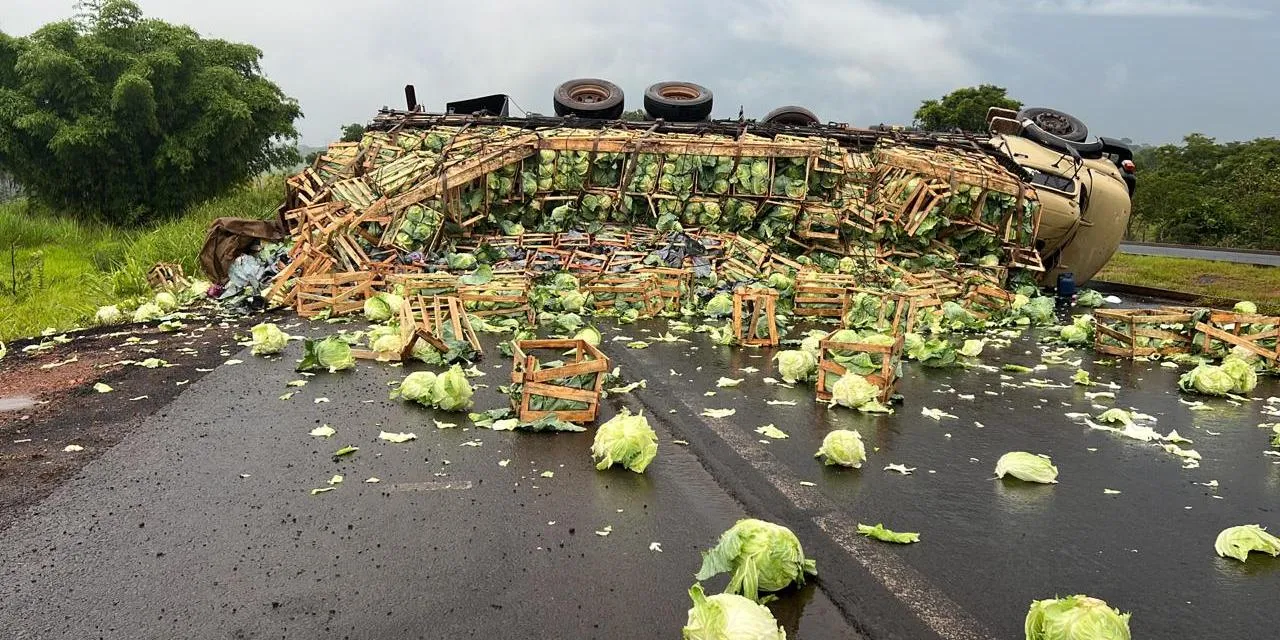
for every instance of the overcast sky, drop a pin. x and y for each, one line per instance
(1151, 70)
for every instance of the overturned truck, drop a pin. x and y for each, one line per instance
(887, 209)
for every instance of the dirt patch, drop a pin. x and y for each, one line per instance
(1207, 279)
(66, 410)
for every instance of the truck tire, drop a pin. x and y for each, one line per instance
(678, 101)
(792, 116)
(589, 98)
(1058, 123)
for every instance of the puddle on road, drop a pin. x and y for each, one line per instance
(16, 403)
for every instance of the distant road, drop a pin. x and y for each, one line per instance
(1270, 259)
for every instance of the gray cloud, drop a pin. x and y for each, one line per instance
(1145, 69)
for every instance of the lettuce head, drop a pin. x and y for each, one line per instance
(451, 391)
(626, 440)
(331, 354)
(267, 339)
(1207, 379)
(759, 556)
(1075, 618)
(842, 447)
(729, 617)
(796, 365)
(382, 306)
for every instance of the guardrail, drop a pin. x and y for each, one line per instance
(1198, 247)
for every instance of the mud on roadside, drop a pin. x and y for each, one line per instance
(48, 401)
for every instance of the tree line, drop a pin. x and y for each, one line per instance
(117, 117)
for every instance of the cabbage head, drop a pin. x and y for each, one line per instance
(759, 556)
(572, 300)
(796, 365)
(1207, 379)
(1246, 307)
(460, 261)
(1246, 379)
(1027, 467)
(812, 341)
(842, 447)
(590, 335)
(382, 306)
(199, 288)
(719, 306)
(1237, 542)
(846, 265)
(626, 440)
(564, 280)
(147, 312)
(729, 617)
(385, 342)
(109, 314)
(331, 354)
(451, 391)
(166, 301)
(972, 348)
(1075, 618)
(1074, 334)
(780, 282)
(1090, 298)
(268, 339)
(853, 391)
(416, 387)
(1038, 311)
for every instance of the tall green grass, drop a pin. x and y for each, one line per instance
(87, 265)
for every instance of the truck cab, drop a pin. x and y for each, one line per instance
(1084, 187)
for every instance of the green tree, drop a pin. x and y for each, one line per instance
(352, 132)
(634, 115)
(125, 118)
(964, 109)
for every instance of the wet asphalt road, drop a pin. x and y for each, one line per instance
(1206, 253)
(201, 525)
(163, 538)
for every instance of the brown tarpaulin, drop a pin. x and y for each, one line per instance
(228, 238)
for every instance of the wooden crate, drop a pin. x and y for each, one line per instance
(750, 306)
(983, 301)
(435, 320)
(829, 371)
(508, 293)
(1118, 332)
(674, 285)
(337, 293)
(167, 276)
(586, 263)
(423, 284)
(539, 380)
(573, 240)
(547, 260)
(637, 289)
(538, 241)
(1232, 330)
(623, 260)
(895, 310)
(824, 295)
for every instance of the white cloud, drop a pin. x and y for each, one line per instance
(1147, 8)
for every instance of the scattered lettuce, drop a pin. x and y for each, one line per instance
(727, 616)
(796, 365)
(1237, 542)
(1027, 467)
(627, 440)
(1076, 617)
(842, 447)
(760, 556)
(885, 535)
(331, 353)
(267, 339)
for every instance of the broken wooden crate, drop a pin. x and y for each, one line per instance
(1133, 333)
(823, 295)
(504, 295)
(755, 312)
(573, 385)
(437, 321)
(635, 290)
(1257, 334)
(167, 276)
(337, 293)
(886, 357)
(674, 285)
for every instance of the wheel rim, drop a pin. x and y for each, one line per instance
(589, 94)
(679, 93)
(1054, 123)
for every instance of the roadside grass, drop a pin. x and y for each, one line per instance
(1199, 277)
(55, 272)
